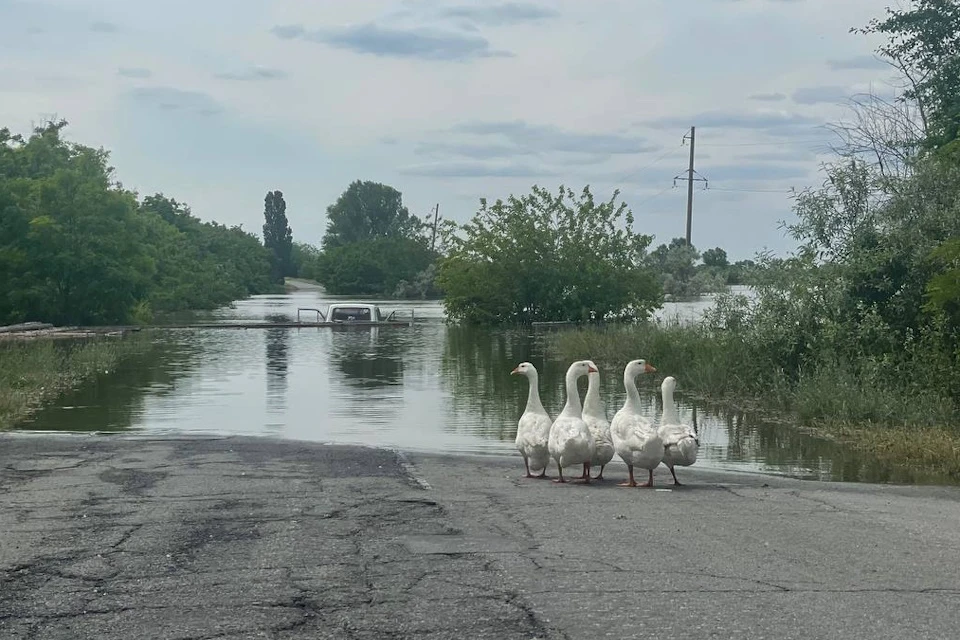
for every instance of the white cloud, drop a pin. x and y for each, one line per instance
(448, 101)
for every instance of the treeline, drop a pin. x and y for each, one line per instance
(374, 246)
(78, 248)
(684, 271)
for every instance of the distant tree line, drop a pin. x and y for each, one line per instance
(78, 248)
(684, 271)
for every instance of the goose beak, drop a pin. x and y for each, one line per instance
(516, 370)
(648, 368)
(592, 369)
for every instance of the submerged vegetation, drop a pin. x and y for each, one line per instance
(857, 332)
(33, 372)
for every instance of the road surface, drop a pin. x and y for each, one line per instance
(236, 538)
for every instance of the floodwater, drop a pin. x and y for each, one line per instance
(430, 387)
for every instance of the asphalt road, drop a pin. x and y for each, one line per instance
(235, 538)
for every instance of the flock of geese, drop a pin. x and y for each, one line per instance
(581, 434)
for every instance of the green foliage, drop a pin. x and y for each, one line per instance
(715, 258)
(373, 246)
(373, 267)
(305, 259)
(924, 44)
(546, 257)
(277, 236)
(368, 211)
(943, 289)
(681, 276)
(75, 248)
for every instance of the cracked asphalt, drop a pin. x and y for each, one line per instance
(189, 538)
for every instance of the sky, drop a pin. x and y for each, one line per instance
(216, 102)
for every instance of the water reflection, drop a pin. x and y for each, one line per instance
(428, 387)
(368, 356)
(277, 343)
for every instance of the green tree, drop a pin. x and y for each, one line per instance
(924, 44)
(367, 211)
(76, 248)
(716, 257)
(549, 257)
(70, 242)
(277, 236)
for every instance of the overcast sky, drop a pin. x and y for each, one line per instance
(215, 102)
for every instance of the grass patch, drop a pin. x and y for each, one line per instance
(33, 372)
(896, 416)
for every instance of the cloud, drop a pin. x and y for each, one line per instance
(289, 31)
(857, 62)
(469, 150)
(769, 97)
(253, 73)
(794, 154)
(418, 42)
(178, 100)
(476, 170)
(134, 72)
(547, 138)
(104, 27)
(828, 94)
(782, 122)
(496, 15)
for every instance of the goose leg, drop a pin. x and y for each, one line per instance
(599, 476)
(585, 476)
(559, 473)
(648, 483)
(675, 481)
(631, 482)
(526, 463)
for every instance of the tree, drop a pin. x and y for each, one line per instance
(277, 236)
(76, 248)
(367, 211)
(924, 45)
(549, 257)
(715, 258)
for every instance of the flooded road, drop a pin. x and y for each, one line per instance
(430, 388)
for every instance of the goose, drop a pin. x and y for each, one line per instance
(570, 440)
(595, 415)
(634, 437)
(680, 443)
(533, 429)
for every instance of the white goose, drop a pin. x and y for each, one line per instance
(570, 440)
(533, 429)
(634, 437)
(680, 443)
(595, 415)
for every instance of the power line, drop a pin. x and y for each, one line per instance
(784, 191)
(656, 195)
(662, 156)
(781, 143)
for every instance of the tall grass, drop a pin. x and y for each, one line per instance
(898, 409)
(739, 369)
(33, 372)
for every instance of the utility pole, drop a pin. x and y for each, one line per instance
(693, 139)
(690, 180)
(436, 216)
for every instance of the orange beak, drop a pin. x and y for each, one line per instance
(648, 368)
(592, 369)
(515, 370)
